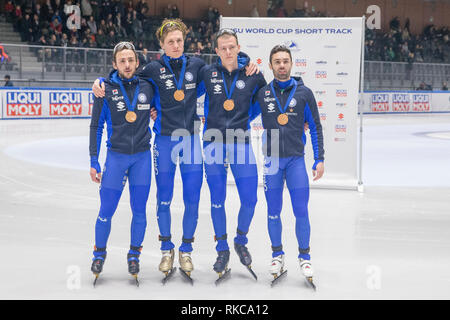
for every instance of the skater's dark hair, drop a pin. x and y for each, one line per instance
(225, 32)
(279, 48)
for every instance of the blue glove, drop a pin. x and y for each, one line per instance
(95, 164)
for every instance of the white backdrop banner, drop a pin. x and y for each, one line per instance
(326, 53)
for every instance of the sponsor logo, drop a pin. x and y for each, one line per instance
(321, 74)
(323, 116)
(116, 98)
(189, 86)
(217, 89)
(91, 102)
(320, 92)
(120, 106)
(23, 104)
(380, 102)
(267, 93)
(143, 106)
(292, 45)
(214, 74)
(300, 62)
(341, 104)
(216, 80)
(169, 84)
(341, 128)
(342, 74)
(65, 103)
(421, 102)
(258, 60)
(341, 93)
(321, 62)
(400, 102)
(165, 76)
(270, 107)
(340, 116)
(320, 104)
(339, 139)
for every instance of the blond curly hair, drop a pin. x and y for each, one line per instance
(169, 25)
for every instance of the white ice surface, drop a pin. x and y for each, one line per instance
(390, 242)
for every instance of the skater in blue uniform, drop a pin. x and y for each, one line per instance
(286, 105)
(227, 142)
(126, 111)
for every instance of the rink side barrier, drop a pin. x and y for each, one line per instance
(404, 102)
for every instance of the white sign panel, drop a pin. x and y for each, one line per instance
(326, 54)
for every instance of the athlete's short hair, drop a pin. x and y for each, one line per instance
(122, 46)
(279, 48)
(225, 32)
(169, 25)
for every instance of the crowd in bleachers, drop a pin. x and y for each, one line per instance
(105, 22)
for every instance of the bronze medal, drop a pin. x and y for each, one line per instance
(178, 95)
(228, 104)
(130, 116)
(283, 119)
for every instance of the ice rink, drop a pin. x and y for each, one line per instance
(390, 242)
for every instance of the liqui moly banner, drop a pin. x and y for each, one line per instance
(406, 102)
(326, 54)
(27, 103)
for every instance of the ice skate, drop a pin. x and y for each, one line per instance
(307, 271)
(166, 264)
(245, 257)
(97, 264)
(221, 266)
(277, 269)
(186, 265)
(133, 266)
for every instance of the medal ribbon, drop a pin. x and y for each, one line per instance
(233, 85)
(291, 95)
(178, 82)
(131, 106)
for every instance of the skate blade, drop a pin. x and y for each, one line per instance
(168, 275)
(223, 276)
(249, 268)
(95, 279)
(187, 276)
(310, 283)
(136, 280)
(278, 278)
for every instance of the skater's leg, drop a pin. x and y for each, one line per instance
(216, 177)
(164, 169)
(298, 185)
(139, 178)
(273, 190)
(245, 175)
(191, 168)
(113, 180)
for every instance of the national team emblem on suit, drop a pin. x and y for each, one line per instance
(267, 93)
(162, 70)
(142, 98)
(115, 91)
(240, 84)
(293, 103)
(214, 74)
(188, 76)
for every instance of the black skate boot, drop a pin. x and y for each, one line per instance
(221, 266)
(97, 263)
(133, 263)
(245, 257)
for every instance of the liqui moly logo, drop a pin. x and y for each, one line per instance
(421, 102)
(400, 102)
(380, 102)
(300, 62)
(65, 103)
(91, 102)
(20, 104)
(321, 74)
(341, 93)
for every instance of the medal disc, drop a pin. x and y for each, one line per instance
(228, 105)
(178, 95)
(130, 116)
(283, 119)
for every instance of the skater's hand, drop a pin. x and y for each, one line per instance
(98, 89)
(318, 173)
(153, 114)
(251, 69)
(306, 126)
(95, 176)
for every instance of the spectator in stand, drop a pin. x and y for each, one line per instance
(9, 11)
(444, 86)
(92, 24)
(86, 9)
(8, 82)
